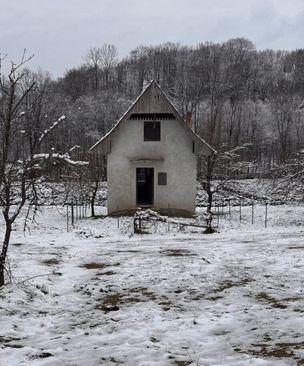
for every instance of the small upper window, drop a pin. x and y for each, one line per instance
(151, 131)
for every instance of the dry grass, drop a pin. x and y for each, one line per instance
(107, 273)
(178, 253)
(145, 292)
(97, 265)
(51, 262)
(225, 285)
(278, 350)
(270, 300)
(112, 302)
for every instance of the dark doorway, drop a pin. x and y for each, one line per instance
(144, 186)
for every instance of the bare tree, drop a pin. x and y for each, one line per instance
(103, 59)
(21, 137)
(217, 170)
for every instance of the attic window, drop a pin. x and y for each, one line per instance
(152, 131)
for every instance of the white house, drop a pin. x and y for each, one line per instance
(151, 157)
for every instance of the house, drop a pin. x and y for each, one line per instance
(151, 157)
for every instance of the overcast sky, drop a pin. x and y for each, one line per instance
(60, 32)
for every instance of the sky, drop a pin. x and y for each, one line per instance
(60, 32)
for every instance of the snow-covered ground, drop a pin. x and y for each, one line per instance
(99, 295)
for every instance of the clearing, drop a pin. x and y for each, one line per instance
(99, 295)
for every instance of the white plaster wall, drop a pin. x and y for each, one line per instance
(177, 160)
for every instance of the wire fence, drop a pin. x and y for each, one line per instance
(242, 213)
(75, 211)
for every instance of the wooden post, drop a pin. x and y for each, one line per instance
(218, 216)
(229, 205)
(240, 210)
(67, 206)
(72, 214)
(266, 213)
(252, 212)
(139, 224)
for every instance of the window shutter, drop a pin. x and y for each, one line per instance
(162, 179)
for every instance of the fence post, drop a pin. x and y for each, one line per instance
(229, 205)
(218, 215)
(67, 206)
(76, 210)
(252, 212)
(72, 214)
(266, 213)
(240, 210)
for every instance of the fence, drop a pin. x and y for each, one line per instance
(74, 212)
(237, 211)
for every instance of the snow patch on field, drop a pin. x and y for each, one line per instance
(103, 296)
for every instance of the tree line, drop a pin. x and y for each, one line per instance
(236, 94)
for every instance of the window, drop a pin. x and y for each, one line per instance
(162, 179)
(151, 131)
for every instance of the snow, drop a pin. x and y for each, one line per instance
(167, 298)
(64, 157)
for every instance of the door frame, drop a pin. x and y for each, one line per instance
(152, 188)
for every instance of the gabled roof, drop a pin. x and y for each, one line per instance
(144, 101)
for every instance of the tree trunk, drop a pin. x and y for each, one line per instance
(92, 208)
(93, 198)
(209, 201)
(3, 255)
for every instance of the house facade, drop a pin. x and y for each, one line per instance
(151, 157)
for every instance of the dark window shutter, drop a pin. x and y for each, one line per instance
(162, 179)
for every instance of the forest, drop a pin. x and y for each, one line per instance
(235, 93)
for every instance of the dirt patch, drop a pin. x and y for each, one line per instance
(6, 342)
(112, 360)
(291, 299)
(182, 363)
(107, 273)
(178, 253)
(270, 300)
(278, 350)
(275, 351)
(12, 345)
(51, 262)
(40, 355)
(225, 285)
(98, 265)
(145, 292)
(113, 302)
(214, 298)
(197, 296)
